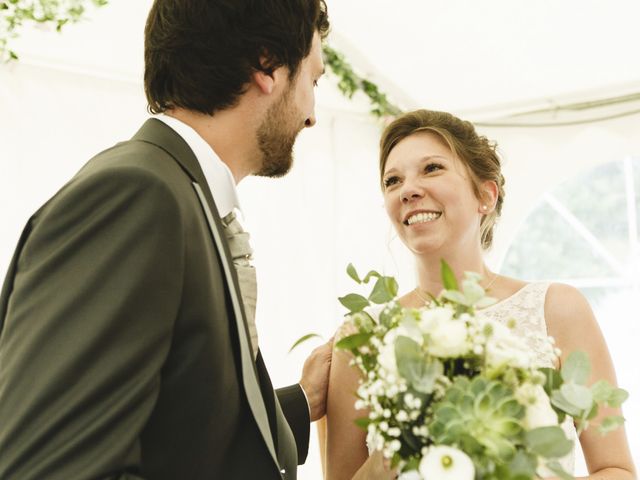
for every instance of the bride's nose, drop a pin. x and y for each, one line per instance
(410, 192)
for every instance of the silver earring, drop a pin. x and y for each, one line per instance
(484, 207)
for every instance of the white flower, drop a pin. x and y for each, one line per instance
(504, 348)
(449, 339)
(387, 358)
(411, 475)
(429, 318)
(539, 412)
(444, 463)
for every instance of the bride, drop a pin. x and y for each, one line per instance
(443, 191)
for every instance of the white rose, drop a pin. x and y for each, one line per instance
(449, 339)
(539, 412)
(431, 317)
(444, 463)
(505, 348)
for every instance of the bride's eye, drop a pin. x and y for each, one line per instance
(432, 167)
(389, 181)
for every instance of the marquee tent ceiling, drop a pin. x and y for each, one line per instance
(459, 55)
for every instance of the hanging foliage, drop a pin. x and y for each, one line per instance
(56, 13)
(349, 82)
(14, 14)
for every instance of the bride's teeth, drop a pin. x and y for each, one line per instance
(422, 217)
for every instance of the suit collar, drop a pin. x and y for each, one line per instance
(161, 135)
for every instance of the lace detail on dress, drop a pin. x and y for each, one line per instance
(526, 307)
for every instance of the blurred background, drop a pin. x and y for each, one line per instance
(556, 84)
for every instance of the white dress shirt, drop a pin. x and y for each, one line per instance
(216, 172)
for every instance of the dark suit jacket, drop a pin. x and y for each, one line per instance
(123, 347)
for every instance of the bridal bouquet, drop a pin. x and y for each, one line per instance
(450, 394)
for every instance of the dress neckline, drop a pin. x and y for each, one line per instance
(506, 299)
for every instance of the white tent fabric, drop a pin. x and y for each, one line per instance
(72, 95)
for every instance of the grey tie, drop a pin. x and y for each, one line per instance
(241, 252)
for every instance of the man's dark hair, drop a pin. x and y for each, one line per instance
(200, 54)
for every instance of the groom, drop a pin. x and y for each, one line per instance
(127, 340)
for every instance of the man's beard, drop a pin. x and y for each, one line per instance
(276, 136)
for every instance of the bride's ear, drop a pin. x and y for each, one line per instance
(488, 197)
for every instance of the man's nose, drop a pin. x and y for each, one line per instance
(310, 121)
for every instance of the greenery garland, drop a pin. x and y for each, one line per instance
(15, 13)
(349, 83)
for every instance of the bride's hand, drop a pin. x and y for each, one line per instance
(376, 468)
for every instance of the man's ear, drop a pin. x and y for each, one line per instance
(265, 81)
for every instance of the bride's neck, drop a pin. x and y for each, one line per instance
(429, 271)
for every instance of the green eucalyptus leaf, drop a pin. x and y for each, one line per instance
(601, 391)
(414, 367)
(522, 465)
(555, 467)
(472, 291)
(303, 339)
(370, 275)
(384, 290)
(351, 271)
(610, 423)
(578, 395)
(448, 278)
(455, 297)
(617, 397)
(354, 302)
(485, 302)
(553, 379)
(362, 422)
(559, 401)
(576, 368)
(354, 341)
(548, 442)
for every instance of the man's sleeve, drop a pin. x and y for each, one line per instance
(296, 410)
(88, 326)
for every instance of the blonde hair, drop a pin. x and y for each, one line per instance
(475, 151)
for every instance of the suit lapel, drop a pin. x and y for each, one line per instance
(156, 132)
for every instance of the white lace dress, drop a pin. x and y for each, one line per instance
(527, 307)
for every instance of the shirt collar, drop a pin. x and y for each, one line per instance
(216, 172)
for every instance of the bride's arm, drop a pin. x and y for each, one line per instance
(345, 446)
(571, 322)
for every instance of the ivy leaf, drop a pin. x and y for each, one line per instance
(576, 368)
(303, 339)
(548, 442)
(354, 302)
(448, 278)
(351, 271)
